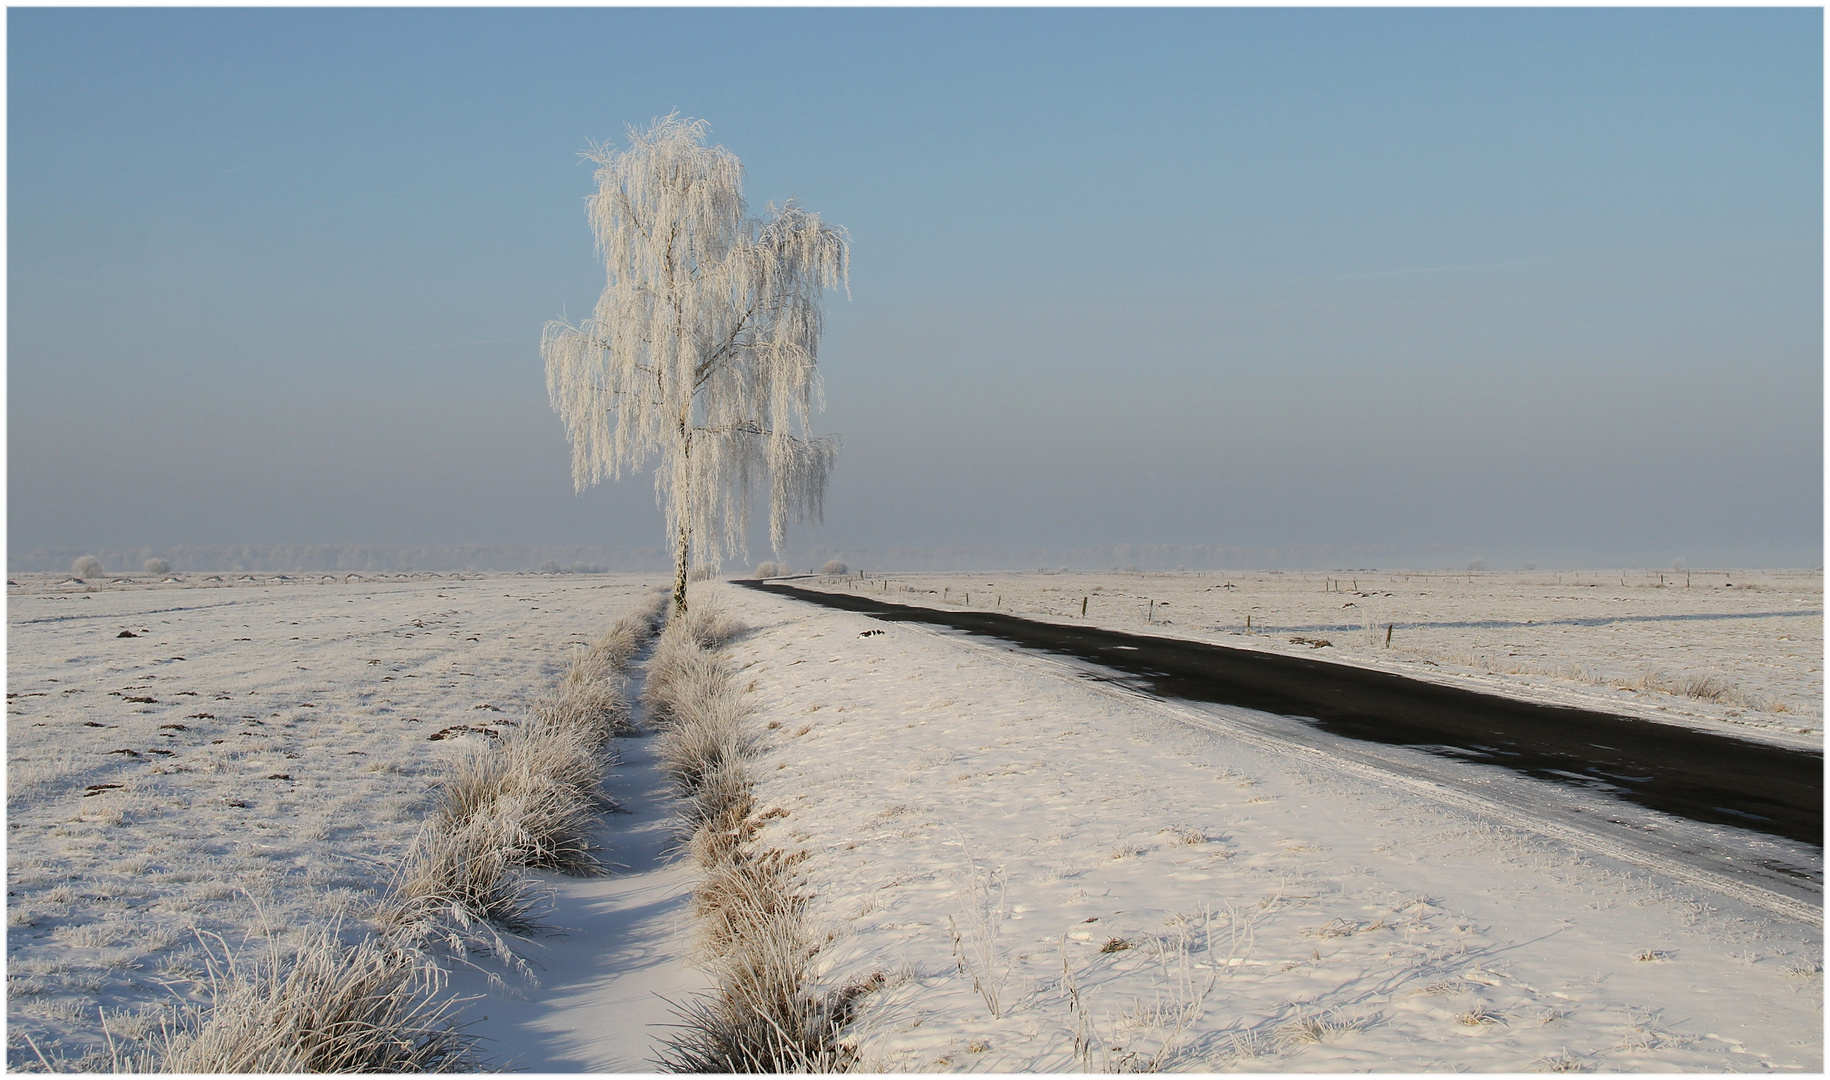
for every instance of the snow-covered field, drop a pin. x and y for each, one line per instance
(1146, 884)
(257, 754)
(1735, 652)
(1131, 882)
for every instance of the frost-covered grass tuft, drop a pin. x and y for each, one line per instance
(529, 800)
(766, 1015)
(600, 709)
(1707, 686)
(717, 815)
(705, 734)
(374, 1006)
(458, 887)
(692, 695)
(684, 665)
(535, 795)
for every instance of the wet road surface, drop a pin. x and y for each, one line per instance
(1676, 770)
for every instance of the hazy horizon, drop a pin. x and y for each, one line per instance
(1524, 287)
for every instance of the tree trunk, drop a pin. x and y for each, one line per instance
(681, 550)
(683, 486)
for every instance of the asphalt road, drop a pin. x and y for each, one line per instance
(1676, 770)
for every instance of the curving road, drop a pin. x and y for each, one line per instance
(1677, 770)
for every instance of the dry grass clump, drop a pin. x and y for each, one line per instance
(527, 800)
(707, 623)
(717, 819)
(1712, 687)
(684, 663)
(458, 888)
(1306, 1030)
(610, 655)
(374, 1006)
(536, 794)
(680, 667)
(692, 696)
(599, 710)
(704, 737)
(766, 1015)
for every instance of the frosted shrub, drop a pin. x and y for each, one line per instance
(767, 570)
(834, 566)
(158, 566)
(86, 566)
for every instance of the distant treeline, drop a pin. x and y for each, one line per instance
(379, 558)
(346, 558)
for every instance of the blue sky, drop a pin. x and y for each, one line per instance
(1538, 285)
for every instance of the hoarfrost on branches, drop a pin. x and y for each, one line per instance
(703, 348)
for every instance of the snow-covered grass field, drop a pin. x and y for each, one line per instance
(1738, 652)
(1056, 875)
(1131, 883)
(258, 754)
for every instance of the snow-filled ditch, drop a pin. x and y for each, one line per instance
(1048, 873)
(195, 765)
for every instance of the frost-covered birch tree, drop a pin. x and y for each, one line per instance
(703, 348)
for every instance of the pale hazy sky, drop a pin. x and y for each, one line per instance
(1527, 285)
